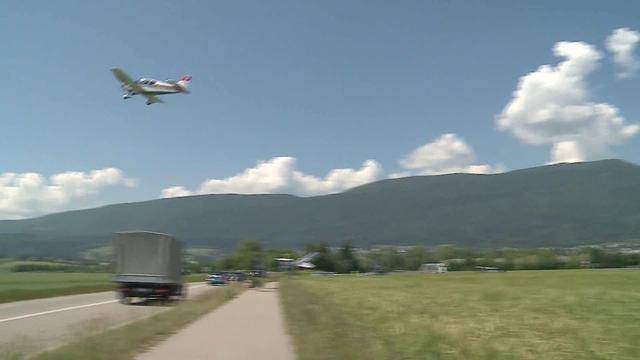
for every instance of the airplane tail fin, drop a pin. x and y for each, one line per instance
(183, 83)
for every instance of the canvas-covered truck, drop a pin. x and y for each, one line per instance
(148, 265)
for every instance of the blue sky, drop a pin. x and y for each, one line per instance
(329, 83)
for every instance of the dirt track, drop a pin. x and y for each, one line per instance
(249, 327)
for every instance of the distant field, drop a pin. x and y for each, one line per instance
(34, 285)
(7, 265)
(565, 314)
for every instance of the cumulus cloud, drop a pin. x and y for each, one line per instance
(31, 194)
(622, 44)
(446, 154)
(280, 175)
(176, 191)
(553, 106)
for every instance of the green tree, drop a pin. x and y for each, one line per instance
(347, 261)
(249, 255)
(445, 252)
(415, 257)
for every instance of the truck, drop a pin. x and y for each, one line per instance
(148, 265)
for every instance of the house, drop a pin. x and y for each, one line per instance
(433, 268)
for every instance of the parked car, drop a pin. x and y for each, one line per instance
(216, 280)
(257, 273)
(238, 276)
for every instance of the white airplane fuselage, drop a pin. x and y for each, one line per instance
(155, 87)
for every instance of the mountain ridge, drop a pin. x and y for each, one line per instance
(551, 205)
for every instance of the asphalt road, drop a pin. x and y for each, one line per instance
(33, 325)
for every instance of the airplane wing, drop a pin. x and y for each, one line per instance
(151, 98)
(308, 257)
(126, 80)
(283, 259)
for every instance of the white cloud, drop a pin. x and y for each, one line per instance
(446, 154)
(175, 191)
(265, 177)
(553, 106)
(31, 194)
(622, 44)
(279, 175)
(567, 151)
(337, 180)
(400, 174)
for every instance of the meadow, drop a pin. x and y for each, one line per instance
(562, 314)
(32, 285)
(15, 286)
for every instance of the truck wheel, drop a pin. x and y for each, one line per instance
(124, 299)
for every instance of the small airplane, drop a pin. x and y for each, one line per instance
(301, 263)
(150, 88)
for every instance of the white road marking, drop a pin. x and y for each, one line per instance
(56, 310)
(72, 308)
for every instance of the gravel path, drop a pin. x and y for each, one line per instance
(248, 327)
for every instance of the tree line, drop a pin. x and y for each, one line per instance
(347, 258)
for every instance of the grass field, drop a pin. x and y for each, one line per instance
(34, 285)
(566, 314)
(7, 265)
